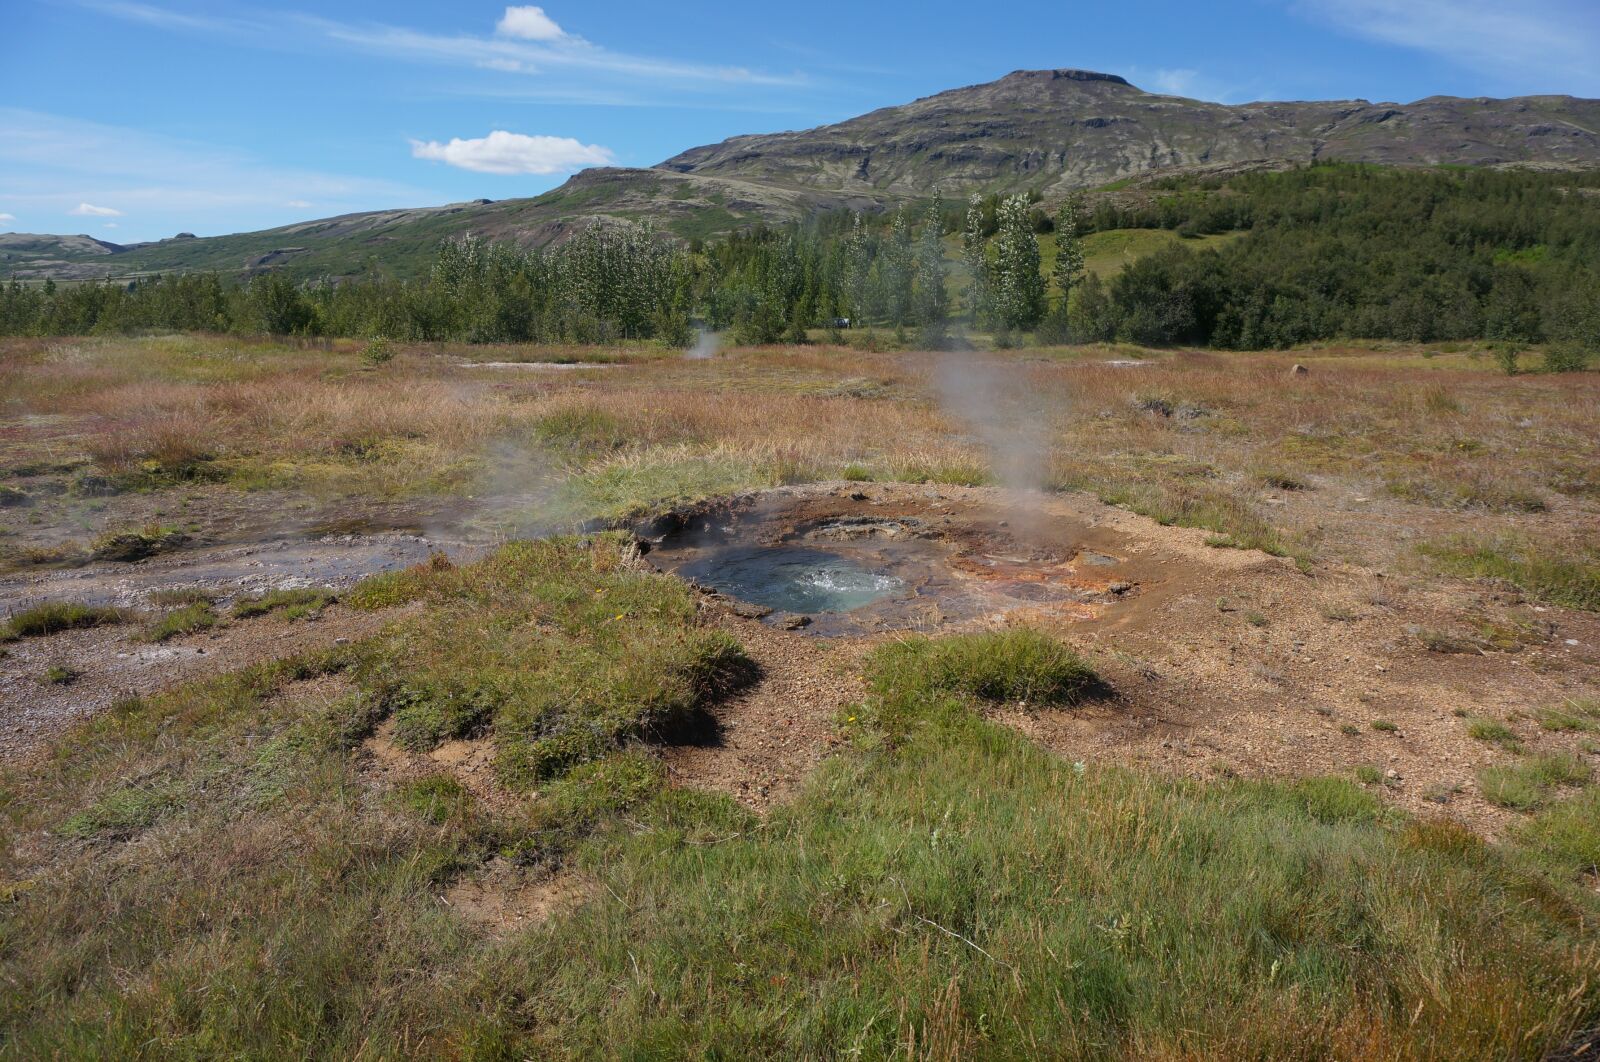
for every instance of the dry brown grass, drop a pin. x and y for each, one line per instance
(1442, 445)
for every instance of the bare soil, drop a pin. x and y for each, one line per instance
(1221, 661)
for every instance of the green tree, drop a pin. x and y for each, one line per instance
(932, 301)
(1019, 287)
(975, 255)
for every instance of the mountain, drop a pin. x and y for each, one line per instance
(1053, 130)
(1044, 130)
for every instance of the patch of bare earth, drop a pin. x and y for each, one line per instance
(470, 761)
(112, 663)
(1222, 661)
(770, 736)
(502, 899)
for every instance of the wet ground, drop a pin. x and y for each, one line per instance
(333, 560)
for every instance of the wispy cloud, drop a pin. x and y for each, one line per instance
(568, 54)
(508, 153)
(1543, 45)
(526, 41)
(1191, 84)
(65, 166)
(6, 219)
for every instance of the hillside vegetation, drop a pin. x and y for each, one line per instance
(1251, 261)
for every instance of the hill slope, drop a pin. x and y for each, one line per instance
(403, 241)
(1048, 130)
(1055, 129)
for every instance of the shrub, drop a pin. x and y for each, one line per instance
(1505, 355)
(1566, 357)
(378, 351)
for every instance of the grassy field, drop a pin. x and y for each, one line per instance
(1335, 801)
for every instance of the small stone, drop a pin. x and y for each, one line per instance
(794, 622)
(1299, 370)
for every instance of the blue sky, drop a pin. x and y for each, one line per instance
(133, 120)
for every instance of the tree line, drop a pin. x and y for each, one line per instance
(1321, 252)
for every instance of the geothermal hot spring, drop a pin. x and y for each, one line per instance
(841, 562)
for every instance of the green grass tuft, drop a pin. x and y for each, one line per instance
(186, 620)
(1528, 784)
(56, 616)
(576, 649)
(294, 604)
(1569, 579)
(1496, 733)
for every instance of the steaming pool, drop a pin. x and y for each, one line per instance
(842, 564)
(794, 579)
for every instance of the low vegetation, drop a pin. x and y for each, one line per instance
(213, 874)
(1531, 782)
(1565, 578)
(578, 651)
(291, 604)
(186, 619)
(57, 616)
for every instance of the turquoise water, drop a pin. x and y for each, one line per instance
(792, 578)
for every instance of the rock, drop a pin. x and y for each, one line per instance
(794, 621)
(1299, 370)
(749, 609)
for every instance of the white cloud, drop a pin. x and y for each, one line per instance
(298, 204)
(1546, 45)
(109, 225)
(530, 24)
(7, 217)
(89, 210)
(506, 153)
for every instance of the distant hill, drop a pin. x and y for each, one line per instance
(1057, 129)
(1045, 130)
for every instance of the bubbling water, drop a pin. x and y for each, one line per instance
(792, 578)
